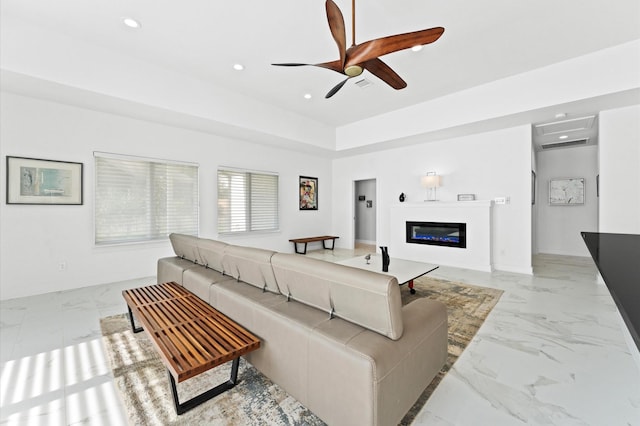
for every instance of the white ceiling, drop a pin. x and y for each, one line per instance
(484, 41)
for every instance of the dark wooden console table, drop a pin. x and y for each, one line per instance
(190, 336)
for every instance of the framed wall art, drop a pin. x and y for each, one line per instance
(466, 197)
(308, 193)
(37, 181)
(566, 191)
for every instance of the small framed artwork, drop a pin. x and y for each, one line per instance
(566, 191)
(308, 193)
(466, 197)
(37, 181)
(369, 204)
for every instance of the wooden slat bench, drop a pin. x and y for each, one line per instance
(190, 336)
(304, 241)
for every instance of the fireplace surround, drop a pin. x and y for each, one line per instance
(448, 234)
(476, 214)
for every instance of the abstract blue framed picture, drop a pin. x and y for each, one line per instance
(38, 181)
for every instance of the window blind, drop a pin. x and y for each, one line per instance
(247, 201)
(139, 199)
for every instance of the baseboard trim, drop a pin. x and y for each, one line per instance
(526, 270)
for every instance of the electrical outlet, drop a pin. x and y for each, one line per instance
(62, 266)
(500, 200)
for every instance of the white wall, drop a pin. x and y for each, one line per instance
(492, 164)
(619, 141)
(558, 227)
(35, 239)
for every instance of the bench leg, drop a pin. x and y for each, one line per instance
(295, 245)
(332, 245)
(133, 323)
(207, 395)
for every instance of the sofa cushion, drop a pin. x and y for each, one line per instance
(332, 361)
(282, 327)
(366, 298)
(403, 368)
(251, 265)
(211, 253)
(173, 268)
(385, 376)
(186, 247)
(199, 280)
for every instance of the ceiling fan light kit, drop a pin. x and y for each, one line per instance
(366, 56)
(353, 70)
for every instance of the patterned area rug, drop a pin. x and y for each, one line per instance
(144, 386)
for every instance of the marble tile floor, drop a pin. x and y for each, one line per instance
(552, 352)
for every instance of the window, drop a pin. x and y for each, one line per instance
(247, 201)
(138, 199)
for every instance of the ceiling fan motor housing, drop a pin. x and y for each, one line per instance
(353, 70)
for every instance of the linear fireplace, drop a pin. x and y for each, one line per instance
(437, 233)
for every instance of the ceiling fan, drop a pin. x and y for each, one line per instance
(365, 56)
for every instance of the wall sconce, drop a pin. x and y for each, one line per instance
(431, 181)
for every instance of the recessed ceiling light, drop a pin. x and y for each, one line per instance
(561, 115)
(307, 95)
(131, 23)
(238, 67)
(417, 48)
(563, 137)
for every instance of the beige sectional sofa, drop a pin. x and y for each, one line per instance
(334, 337)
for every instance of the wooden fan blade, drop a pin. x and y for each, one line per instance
(336, 88)
(381, 46)
(336, 66)
(384, 73)
(332, 65)
(292, 64)
(336, 25)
